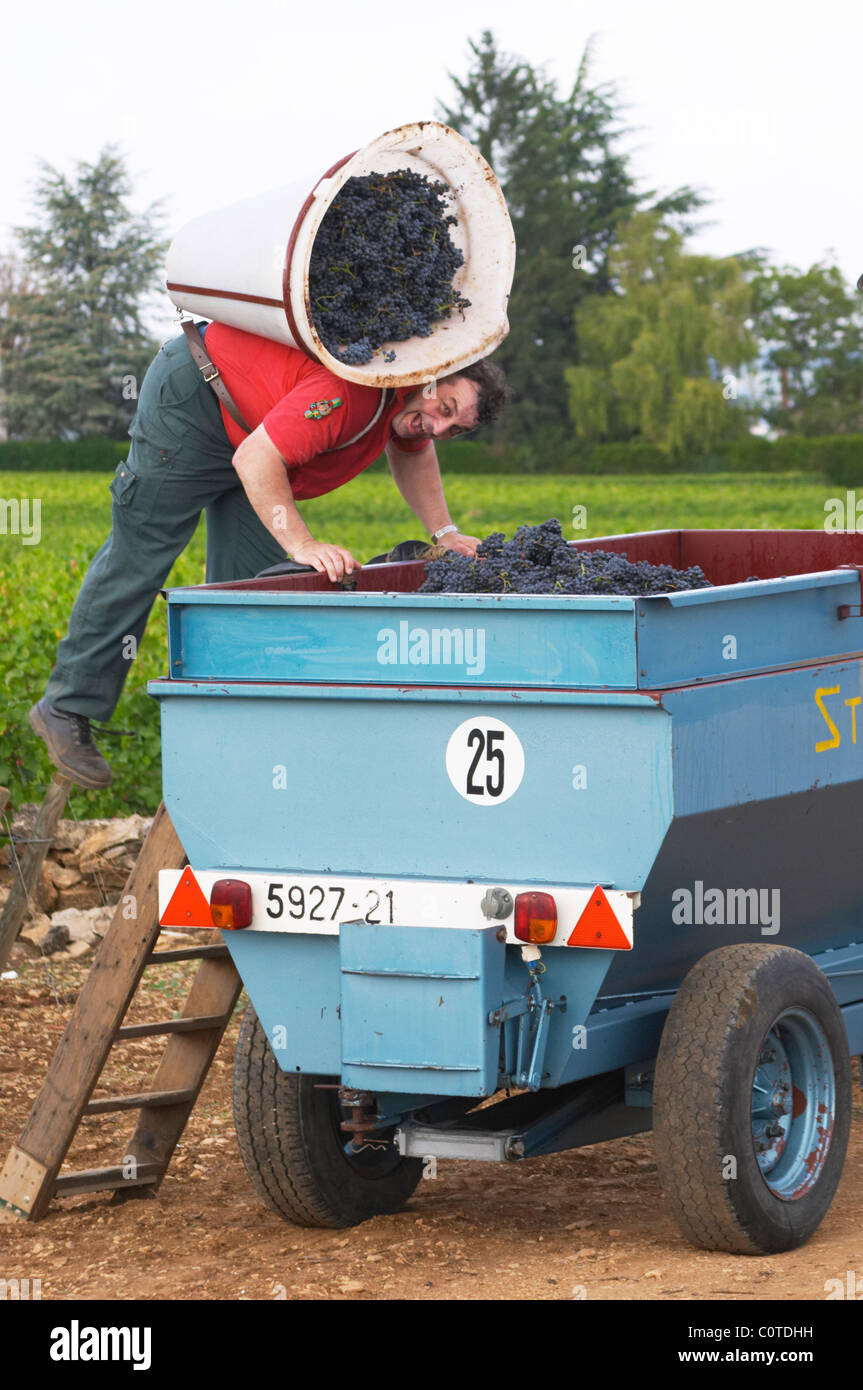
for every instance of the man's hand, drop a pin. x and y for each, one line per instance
(462, 545)
(332, 559)
(261, 469)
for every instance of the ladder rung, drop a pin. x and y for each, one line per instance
(100, 1179)
(191, 953)
(170, 1025)
(136, 1102)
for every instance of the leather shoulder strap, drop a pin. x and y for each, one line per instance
(386, 396)
(210, 372)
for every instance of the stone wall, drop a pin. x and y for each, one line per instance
(82, 878)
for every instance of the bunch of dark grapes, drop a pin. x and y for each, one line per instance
(539, 560)
(382, 264)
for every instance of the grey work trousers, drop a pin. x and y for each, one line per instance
(179, 465)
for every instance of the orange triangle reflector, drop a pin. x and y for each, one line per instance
(598, 926)
(188, 906)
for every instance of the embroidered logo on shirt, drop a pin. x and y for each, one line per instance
(318, 409)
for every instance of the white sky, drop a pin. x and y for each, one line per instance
(756, 101)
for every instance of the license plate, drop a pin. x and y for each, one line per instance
(310, 903)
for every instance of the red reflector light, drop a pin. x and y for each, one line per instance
(535, 917)
(231, 904)
(188, 907)
(598, 927)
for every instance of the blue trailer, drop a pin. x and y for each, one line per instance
(504, 875)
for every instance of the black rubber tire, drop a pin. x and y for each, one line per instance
(290, 1143)
(702, 1098)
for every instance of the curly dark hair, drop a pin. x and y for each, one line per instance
(493, 390)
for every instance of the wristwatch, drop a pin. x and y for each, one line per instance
(443, 531)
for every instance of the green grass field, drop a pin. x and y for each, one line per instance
(38, 583)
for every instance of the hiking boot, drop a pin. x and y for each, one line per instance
(70, 745)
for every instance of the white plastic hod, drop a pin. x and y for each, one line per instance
(247, 265)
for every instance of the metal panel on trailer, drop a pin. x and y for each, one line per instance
(768, 798)
(727, 557)
(293, 984)
(767, 736)
(471, 639)
(733, 556)
(415, 1005)
(804, 607)
(738, 629)
(342, 779)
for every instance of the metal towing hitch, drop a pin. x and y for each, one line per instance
(533, 1012)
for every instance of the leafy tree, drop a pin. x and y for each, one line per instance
(810, 324)
(15, 282)
(567, 187)
(77, 324)
(658, 353)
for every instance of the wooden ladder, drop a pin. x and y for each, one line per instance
(31, 1175)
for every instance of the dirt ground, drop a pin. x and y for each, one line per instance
(588, 1224)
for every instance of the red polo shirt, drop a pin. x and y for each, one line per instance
(273, 385)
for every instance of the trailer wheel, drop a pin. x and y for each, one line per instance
(752, 1100)
(294, 1152)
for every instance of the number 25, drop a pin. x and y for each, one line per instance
(483, 741)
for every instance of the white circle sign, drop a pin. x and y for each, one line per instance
(485, 761)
